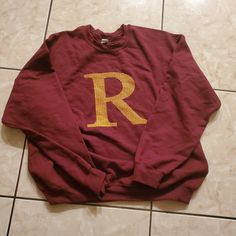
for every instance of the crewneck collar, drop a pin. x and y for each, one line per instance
(114, 41)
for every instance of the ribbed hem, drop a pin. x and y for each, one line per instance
(147, 176)
(122, 193)
(180, 193)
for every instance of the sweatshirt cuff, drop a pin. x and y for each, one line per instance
(96, 181)
(147, 176)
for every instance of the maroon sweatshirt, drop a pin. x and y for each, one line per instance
(113, 116)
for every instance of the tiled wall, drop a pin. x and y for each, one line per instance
(210, 29)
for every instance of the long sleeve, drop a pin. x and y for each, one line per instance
(184, 105)
(38, 106)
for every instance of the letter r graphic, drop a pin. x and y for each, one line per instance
(128, 86)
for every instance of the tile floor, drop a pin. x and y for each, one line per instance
(209, 27)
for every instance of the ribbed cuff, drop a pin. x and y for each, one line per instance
(96, 181)
(147, 176)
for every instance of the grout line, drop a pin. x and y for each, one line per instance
(162, 14)
(150, 222)
(113, 206)
(151, 205)
(18, 178)
(196, 214)
(132, 208)
(32, 198)
(87, 204)
(226, 90)
(17, 182)
(9, 68)
(49, 13)
(6, 196)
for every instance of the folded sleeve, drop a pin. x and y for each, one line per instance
(182, 110)
(38, 106)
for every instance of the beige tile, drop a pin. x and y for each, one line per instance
(182, 225)
(5, 206)
(209, 27)
(22, 29)
(107, 15)
(217, 194)
(11, 140)
(28, 188)
(43, 219)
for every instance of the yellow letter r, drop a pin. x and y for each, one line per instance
(128, 86)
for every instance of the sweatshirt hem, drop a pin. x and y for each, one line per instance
(124, 193)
